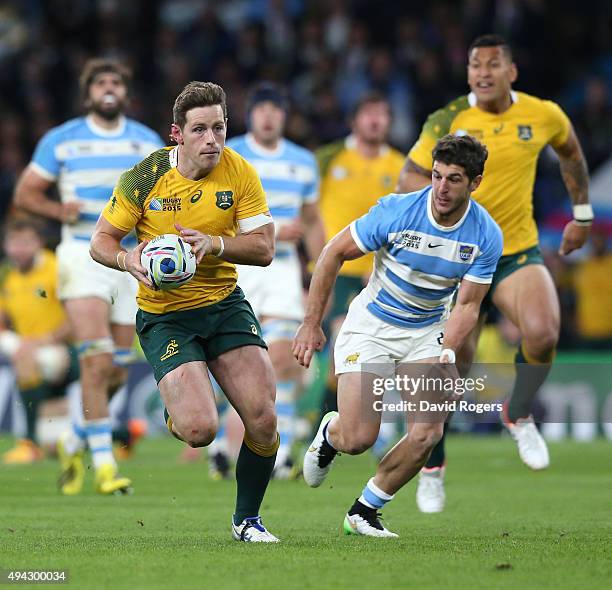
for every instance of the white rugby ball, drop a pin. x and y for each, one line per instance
(169, 261)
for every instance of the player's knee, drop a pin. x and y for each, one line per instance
(358, 442)
(425, 439)
(541, 339)
(199, 433)
(264, 424)
(97, 368)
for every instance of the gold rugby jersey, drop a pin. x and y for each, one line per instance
(30, 300)
(153, 196)
(350, 185)
(514, 140)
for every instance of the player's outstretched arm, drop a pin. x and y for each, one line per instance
(31, 195)
(464, 316)
(575, 175)
(105, 248)
(412, 178)
(309, 336)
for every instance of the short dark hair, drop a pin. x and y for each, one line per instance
(491, 40)
(194, 95)
(370, 97)
(95, 66)
(461, 150)
(24, 223)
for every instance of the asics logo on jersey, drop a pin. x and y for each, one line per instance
(196, 197)
(497, 130)
(171, 350)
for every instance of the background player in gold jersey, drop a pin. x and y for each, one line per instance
(34, 331)
(515, 127)
(355, 172)
(214, 199)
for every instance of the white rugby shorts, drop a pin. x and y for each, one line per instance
(366, 339)
(80, 276)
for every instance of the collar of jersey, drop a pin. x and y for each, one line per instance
(472, 98)
(260, 150)
(105, 132)
(351, 144)
(444, 227)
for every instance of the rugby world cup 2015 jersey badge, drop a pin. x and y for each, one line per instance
(155, 205)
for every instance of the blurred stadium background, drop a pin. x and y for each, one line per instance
(328, 54)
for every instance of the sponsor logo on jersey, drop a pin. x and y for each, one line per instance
(524, 132)
(465, 252)
(196, 197)
(113, 203)
(521, 259)
(171, 350)
(254, 329)
(225, 199)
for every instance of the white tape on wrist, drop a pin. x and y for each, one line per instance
(450, 354)
(583, 213)
(118, 263)
(221, 247)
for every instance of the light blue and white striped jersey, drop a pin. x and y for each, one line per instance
(419, 263)
(289, 175)
(86, 161)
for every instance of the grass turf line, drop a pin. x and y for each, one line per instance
(550, 529)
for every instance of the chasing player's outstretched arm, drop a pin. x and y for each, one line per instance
(31, 195)
(310, 335)
(105, 248)
(412, 177)
(464, 316)
(575, 175)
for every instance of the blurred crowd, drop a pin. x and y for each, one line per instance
(327, 54)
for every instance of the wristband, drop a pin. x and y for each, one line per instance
(450, 353)
(221, 247)
(118, 263)
(583, 214)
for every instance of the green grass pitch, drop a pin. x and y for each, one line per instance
(504, 527)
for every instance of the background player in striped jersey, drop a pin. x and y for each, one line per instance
(84, 157)
(290, 178)
(426, 244)
(515, 127)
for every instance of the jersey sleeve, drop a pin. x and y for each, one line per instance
(45, 161)
(124, 208)
(371, 231)
(252, 199)
(559, 124)
(483, 268)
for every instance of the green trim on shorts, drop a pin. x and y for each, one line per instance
(172, 339)
(345, 290)
(510, 264)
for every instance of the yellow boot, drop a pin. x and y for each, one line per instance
(70, 481)
(108, 481)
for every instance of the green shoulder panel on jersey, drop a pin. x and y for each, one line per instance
(137, 182)
(439, 122)
(326, 154)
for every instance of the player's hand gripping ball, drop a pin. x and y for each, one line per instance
(169, 261)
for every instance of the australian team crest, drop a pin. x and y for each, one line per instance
(225, 199)
(524, 132)
(465, 251)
